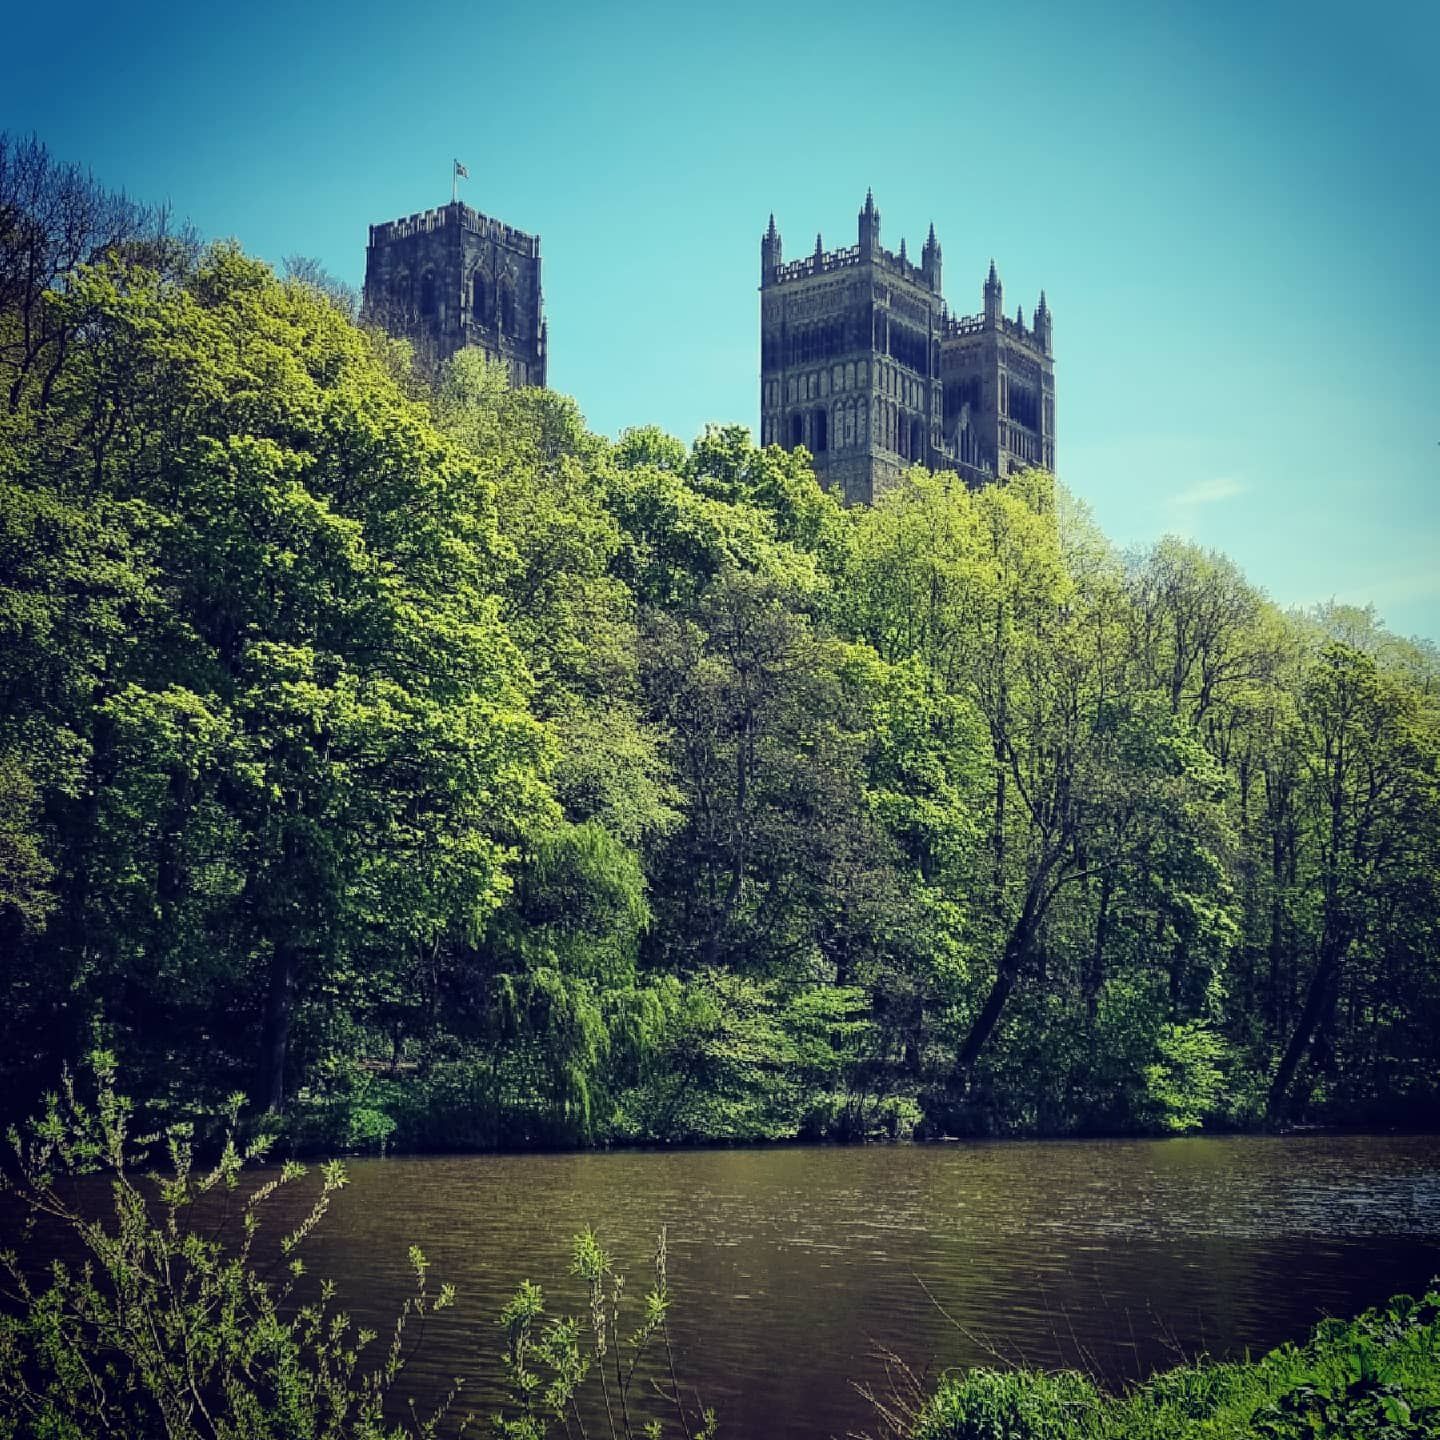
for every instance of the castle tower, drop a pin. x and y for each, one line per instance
(451, 277)
(999, 380)
(862, 364)
(850, 357)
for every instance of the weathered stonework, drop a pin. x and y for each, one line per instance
(451, 277)
(862, 363)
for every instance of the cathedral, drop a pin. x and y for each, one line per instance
(451, 277)
(862, 363)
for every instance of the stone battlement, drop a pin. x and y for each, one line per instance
(954, 325)
(425, 222)
(842, 259)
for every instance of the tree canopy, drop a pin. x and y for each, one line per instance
(438, 772)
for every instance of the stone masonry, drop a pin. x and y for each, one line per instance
(863, 364)
(451, 277)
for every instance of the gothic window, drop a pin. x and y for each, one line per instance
(477, 296)
(850, 376)
(797, 429)
(427, 293)
(507, 309)
(849, 439)
(917, 440)
(860, 373)
(401, 289)
(824, 383)
(862, 411)
(821, 428)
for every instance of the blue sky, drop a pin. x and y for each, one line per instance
(1232, 208)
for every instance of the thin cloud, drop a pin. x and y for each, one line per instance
(1210, 492)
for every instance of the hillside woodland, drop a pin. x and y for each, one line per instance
(380, 742)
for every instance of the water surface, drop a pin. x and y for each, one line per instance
(789, 1265)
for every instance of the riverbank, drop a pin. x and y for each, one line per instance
(1377, 1375)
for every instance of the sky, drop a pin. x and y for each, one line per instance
(1232, 209)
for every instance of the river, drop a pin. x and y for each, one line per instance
(790, 1264)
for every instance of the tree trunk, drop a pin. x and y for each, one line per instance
(1318, 999)
(275, 1040)
(1017, 947)
(1095, 975)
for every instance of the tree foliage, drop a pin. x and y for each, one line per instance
(392, 748)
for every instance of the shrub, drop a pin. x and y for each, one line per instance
(168, 1327)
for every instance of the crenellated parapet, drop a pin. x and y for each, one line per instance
(821, 264)
(827, 261)
(423, 222)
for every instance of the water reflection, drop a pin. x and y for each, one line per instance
(789, 1265)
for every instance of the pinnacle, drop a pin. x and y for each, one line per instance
(770, 234)
(994, 278)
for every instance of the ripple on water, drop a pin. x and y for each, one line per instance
(791, 1264)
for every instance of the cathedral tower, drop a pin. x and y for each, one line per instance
(862, 363)
(451, 277)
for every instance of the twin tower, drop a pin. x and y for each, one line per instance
(861, 361)
(863, 364)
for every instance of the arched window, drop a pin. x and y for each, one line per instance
(507, 309)
(917, 440)
(477, 296)
(797, 429)
(427, 293)
(400, 289)
(820, 427)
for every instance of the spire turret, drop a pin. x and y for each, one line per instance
(771, 251)
(994, 297)
(930, 260)
(869, 226)
(1044, 330)
(903, 256)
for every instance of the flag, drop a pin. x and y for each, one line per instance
(461, 173)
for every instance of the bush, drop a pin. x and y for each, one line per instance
(169, 1328)
(1376, 1377)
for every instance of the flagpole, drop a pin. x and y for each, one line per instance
(454, 183)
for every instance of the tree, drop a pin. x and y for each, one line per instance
(1371, 804)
